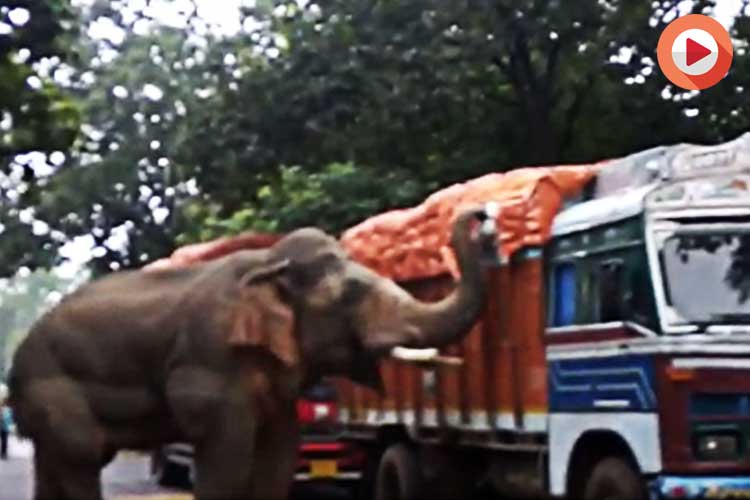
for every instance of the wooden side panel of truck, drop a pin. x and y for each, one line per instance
(501, 384)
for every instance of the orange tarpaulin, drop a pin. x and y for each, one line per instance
(414, 243)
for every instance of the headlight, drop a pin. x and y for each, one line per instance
(717, 447)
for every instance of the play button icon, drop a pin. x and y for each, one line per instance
(694, 52)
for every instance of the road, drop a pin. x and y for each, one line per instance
(126, 478)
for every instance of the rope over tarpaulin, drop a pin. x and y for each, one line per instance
(413, 243)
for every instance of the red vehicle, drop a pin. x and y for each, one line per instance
(323, 456)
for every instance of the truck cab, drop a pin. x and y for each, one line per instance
(648, 324)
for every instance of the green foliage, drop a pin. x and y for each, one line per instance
(333, 199)
(37, 115)
(439, 92)
(124, 173)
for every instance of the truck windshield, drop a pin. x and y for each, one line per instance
(707, 276)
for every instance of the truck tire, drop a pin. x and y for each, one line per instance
(398, 477)
(169, 474)
(364, 489)
(614, 479)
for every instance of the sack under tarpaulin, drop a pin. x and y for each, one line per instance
(414, 243)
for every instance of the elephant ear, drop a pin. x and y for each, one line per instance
(263, 319)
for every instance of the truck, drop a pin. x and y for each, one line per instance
(323, 457)
(612, 358)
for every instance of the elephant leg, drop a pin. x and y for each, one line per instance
(276, 456)
(80, 482)
(225, 458)
(223, 470)
(58, 479)
(69, 441)
(46, 486)
(215, 415)
(68, 429)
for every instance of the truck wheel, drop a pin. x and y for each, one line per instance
(614, 479)
(398, 476)
(364, 489)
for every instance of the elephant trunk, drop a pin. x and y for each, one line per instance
(441, 323)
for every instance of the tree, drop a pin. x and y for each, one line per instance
(442, 92)
(338, 196)
(35, 115)
(118, 181)
(122, 180)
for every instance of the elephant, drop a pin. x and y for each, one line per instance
(216, 354)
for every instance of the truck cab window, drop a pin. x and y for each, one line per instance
(564, 312)
(610, 291)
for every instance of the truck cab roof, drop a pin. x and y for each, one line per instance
(660, 179)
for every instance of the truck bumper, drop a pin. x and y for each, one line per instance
(303, 477)
(692, 487)
(333, 461)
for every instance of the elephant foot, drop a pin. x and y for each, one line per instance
(58, 479)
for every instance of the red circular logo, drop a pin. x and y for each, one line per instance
(694, 52)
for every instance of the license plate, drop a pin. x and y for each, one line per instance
(323, 468)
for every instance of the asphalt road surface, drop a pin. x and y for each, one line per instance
(126, 478)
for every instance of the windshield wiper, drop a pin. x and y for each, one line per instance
(731, 317)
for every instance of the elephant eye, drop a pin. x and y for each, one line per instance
(311, 273)
(354, 291)
(330, 262)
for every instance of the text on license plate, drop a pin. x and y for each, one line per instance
(323, 468)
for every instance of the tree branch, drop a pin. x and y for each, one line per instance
(520, 55)
(573, 111)
(552, 59)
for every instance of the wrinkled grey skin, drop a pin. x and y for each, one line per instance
(138, 359)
